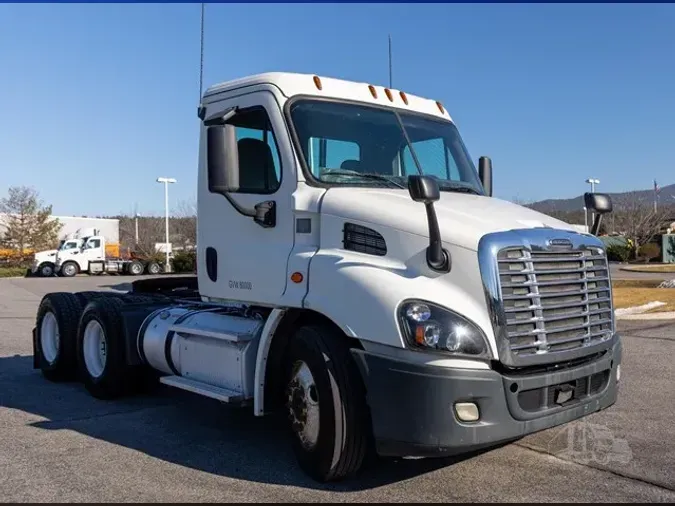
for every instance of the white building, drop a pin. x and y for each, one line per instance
(110, 228)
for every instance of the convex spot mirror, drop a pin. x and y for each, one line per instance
(599, 203)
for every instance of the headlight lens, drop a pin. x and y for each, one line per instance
(432, 327)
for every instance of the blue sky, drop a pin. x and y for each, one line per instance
(96, 101)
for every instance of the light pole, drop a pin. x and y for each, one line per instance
(166, 181)
(136, 220)
(592, 182)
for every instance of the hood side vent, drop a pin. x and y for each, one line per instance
(363, 239)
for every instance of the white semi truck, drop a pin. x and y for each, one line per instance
(91, 258)
(356, 276)
(44, 261)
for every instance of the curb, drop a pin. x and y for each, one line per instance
(666, 315)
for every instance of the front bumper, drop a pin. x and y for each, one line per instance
(412, 405)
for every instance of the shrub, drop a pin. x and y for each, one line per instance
(11, 272)
(650, 251)
(184, 261)
(618, 253)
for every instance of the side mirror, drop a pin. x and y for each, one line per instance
(222, 158)
(485, 174)
(423, 189)
(598, 203)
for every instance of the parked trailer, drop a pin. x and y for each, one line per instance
(350, 278)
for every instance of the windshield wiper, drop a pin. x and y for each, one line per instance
(379, 177)
(445, 186)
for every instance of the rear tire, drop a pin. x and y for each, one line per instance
(154, 268)
(135, 268)
(56, 333)
(325, 402)
(100, 351)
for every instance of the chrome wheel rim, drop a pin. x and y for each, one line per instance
(69, 269)
(49, 337)
(95, 348)
(302, 402)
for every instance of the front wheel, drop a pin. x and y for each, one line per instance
(326, 404)
(46, 269)
(69, 269)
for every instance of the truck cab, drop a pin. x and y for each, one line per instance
(356, 274)
(74, 260)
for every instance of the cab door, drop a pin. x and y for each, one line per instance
(237, 257)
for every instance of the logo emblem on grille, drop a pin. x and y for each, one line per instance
(560, 243)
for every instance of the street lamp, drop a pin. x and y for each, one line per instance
(166, 181)
(592, 182)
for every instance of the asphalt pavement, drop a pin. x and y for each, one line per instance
(59, 444)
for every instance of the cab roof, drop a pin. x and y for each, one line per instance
(292, 84)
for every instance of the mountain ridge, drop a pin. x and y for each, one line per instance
(666, 195)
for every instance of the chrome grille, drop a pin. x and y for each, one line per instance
(554, 301)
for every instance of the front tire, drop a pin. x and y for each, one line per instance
(46, 270)
(326, 404)
(69, 269)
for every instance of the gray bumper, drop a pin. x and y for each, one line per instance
(412, 405)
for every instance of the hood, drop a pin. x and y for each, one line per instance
(462, 218)
(46, 255)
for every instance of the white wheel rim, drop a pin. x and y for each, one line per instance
(94, 347)
(69, 269)
(135, 268)
(49, 337)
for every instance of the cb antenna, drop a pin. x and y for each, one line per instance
(201, 55)
(390, 78)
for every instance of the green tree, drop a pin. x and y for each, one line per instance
(28, 222)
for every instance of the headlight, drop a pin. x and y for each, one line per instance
(432, 327)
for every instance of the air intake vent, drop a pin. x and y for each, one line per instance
(364, 240)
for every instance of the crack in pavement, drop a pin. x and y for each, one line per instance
(621, 474)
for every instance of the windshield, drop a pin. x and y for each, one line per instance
(68, 245)
(346, 143)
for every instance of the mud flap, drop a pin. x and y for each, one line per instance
(36, 357)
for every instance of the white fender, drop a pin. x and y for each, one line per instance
(261, 360)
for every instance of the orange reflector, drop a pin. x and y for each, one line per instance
(388, 93)
(297, 277)
(404, 98)
(373, 91)
(419, 334)
(317, 81)
(440, 107)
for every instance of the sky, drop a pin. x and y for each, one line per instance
(98, 100)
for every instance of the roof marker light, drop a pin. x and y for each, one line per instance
(404, 97)
(387, 92)
(317, 82)
(373, 91)
(440, 107)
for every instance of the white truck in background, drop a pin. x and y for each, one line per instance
(356, 275)
(44, 261)
(91, 258)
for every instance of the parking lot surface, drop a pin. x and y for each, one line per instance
(59, 444)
